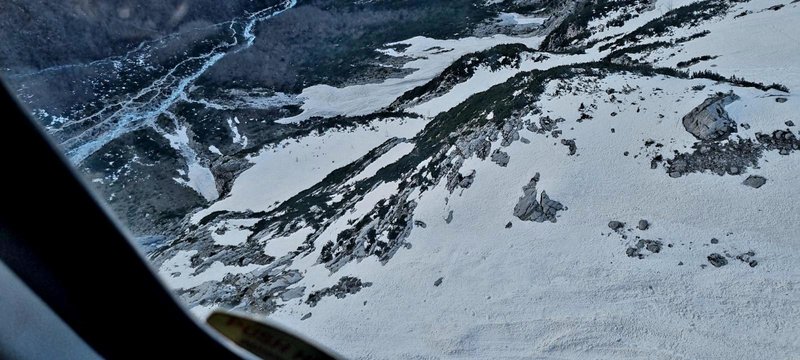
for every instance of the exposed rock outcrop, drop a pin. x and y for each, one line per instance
(529, 209)
(710, 121)
(500, 158)
(347, 285)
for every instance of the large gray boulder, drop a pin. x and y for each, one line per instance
(710, 121)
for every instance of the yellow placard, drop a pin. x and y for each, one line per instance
(263, 340)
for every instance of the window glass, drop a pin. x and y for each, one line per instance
(443, 179)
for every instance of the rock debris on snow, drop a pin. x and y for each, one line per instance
(755, 181)
(643, 225)
(616, 225)
(717, 260)
(570, 143)
(637, 251)
(500, 158)
(748, 258)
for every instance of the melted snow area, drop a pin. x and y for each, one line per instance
(404, 238)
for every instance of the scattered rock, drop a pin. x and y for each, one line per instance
(781, 100)
(438, 281)
(721, 158)
(458, 180)
(643, 225)
(789, 123)
(483, 149)
(680, 263)
(524, 140)
(714, 241)
(509, 225)
(755, 181)
(500, 158)
(546, 125)
(420, 223)
(710, 121)
(748, 258)
(573, 148)
(509, 134)
(616, 225)
(653, 246)
(717, 260)
(306, 316)
(449, 217)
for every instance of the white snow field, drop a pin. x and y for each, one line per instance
(282, 171)
(477, 282)
(567, 290)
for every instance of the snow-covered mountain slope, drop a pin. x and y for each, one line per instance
(606, 179)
